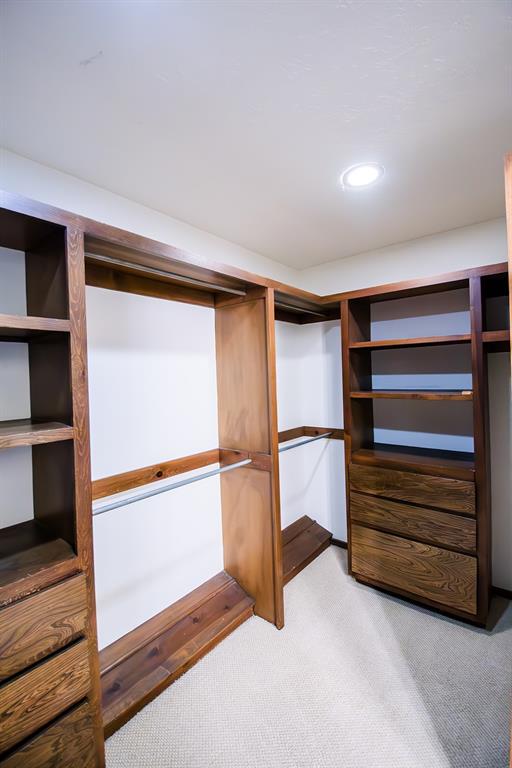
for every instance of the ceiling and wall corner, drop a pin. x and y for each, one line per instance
(239, 117)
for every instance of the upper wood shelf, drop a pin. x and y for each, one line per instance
(26, 432)
(30, 558)
(431, 461)
(425, 341)
(24, 327)
(413, 394)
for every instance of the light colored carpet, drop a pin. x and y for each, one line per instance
(356, 679)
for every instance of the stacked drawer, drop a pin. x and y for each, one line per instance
(45, 719)
(415, 534)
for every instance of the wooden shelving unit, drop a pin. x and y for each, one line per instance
(411, 394)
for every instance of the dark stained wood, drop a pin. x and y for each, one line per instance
(424, 525)
(33, 699)
(302, 542)
(23, 233)
(445, 577)
(82, 467)
(42, 624)
(45, 268)
(151, 657)
(31, 559)
(67, 743)
(426, 490)
(426, 461)
(410, 394)
(482, 451)
(106, 486)
(496, 341)
(122, 280)
(427, 341)
(24, 328)
(339, 543)
(19, 432)
(53, 489)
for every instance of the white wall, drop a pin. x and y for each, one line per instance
(456, 249)
(312, 476)
(153, 397)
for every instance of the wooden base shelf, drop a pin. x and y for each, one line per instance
(413, 394)
(139, 666)
(31, 558)
(422, 460)
(425, 341)
(23, 328)
(302, 541)
(27, 432)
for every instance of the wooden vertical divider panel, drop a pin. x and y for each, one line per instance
(83, 500)
(245, 350)
(481, 448)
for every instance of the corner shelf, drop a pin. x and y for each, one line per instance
(424, 341)
(456, 464)
(28, 432)
(31, 557)
(413, 394)
(25, 327)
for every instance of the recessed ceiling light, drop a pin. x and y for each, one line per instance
(361, 175)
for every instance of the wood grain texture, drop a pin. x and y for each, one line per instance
(67, 743)
(42, 624)
(295, 432)
(422, 460)
(445, 577)
(242, 386)
(424, 525)
(106, 486)
(248, 537)
(122, 280)
(425, 341)
(26, 327)
(153, 656)
(82, 465)
(18, 432)
(33, 699)
(409, 394)
(31, 558)
(302, 542)
(426, 490)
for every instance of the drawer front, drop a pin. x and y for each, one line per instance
(447, 578)
(68, 743)
(428, 490)
(415, 522)
(30, 701)
(40, 625)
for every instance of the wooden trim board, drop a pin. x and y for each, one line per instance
(302, 542)
(140, 665)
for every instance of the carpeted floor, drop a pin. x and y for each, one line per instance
(356, 679)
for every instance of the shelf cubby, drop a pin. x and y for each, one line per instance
(450, 463)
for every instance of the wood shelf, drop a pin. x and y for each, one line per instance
(27, 432)
(140, 665)
(413, 394)
(426, 341)
(496, 341)
(31, 558)
(24, 327)
(302, 542)
(428, 461)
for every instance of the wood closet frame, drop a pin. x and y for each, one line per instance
(55, 581)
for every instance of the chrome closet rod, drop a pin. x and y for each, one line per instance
(304, 442)
(163, 273)
(99, 508)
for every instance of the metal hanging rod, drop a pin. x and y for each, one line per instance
(99, 508)
(299, 310)
(304, 442)
(163, 273)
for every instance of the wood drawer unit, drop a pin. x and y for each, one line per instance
(446, 578)
(42, 624)
(427, 525)
(67, 743)
(33, 699)
(427, 490)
